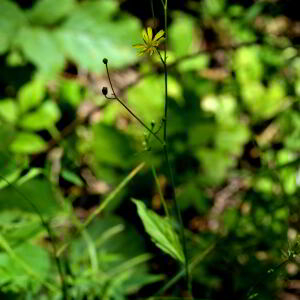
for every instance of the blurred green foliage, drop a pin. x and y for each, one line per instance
(233, 134)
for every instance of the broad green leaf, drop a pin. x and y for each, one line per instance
(47, 12)
(248, 65)
(11, 19)
(18, 226)
(161, 231)
(44, 117)
(147, 98)
(213, 8)
(264, 102)
(31, 94)
(231, 138)
(10, 168)
(90, 30)
(9, 110)
(215, 165)
(24, 266)
(108, 146)
(35, 194)
(70, 91)
(196, 63)
(181, 34)
(7, 135)
(41, 48)
(28, 143)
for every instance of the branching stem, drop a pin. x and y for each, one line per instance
(128, 109)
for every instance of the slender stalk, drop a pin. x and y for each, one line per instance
(104, 203)
(265, 277)
(162, 199)
(128, 109)
(152, 9)
(166, 154)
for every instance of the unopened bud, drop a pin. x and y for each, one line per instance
(104, 90)
(105, 61)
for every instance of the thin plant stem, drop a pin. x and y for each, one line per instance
(128, 109)
(162, 199)
(103, 204)
(152, 9)
(50, 235)
(265, 277)
(192, 265)
(166, 154)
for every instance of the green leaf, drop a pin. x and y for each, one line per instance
(27, 265)
(11, 19)
(161, 231)
(108, 146)
(197, 63)
(31, 94)
(215, 164)
(213, 8)
(41, 48)
(263, 101)
(181, 34)
(10, 167)
(47, 12)
(43, 118)
(140, 97)
(18, 226)
(248, 65)
(28, 143)
(90, 31)
(72, 177)
(9, 110)
(35, 194)
(70, 91)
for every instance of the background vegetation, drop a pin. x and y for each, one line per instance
(71, 160)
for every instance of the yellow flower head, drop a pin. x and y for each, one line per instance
(150, 42)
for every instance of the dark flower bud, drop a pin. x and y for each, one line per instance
(152, 123)
(105, 61)
(104, 90)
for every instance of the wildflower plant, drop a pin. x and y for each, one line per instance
(160, 229)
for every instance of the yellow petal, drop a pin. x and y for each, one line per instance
(150, 35)
(158, 35)
(138, 46)
(145, 36)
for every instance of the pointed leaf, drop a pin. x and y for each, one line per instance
(161, 231)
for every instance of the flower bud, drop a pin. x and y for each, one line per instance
(105, 61)
(104, 90)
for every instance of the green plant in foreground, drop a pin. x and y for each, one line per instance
(160, 229)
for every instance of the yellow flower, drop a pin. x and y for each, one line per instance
(150, 42)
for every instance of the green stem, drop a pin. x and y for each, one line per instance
(128, 109)
(165, 148)
(265, 277)
(162, 199)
